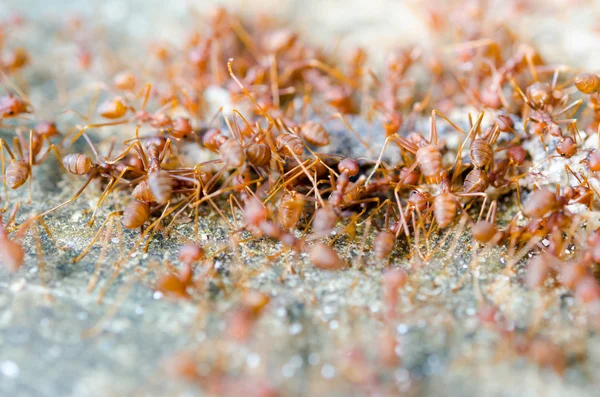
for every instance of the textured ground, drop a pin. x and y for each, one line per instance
(56, 340)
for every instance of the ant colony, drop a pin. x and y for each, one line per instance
(335, 165)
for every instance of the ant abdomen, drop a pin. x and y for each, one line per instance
(324, 257)
(481, 153)
(383, 244)
(444, 209)
(78, 163)
(125, 81)
(142, 192)
(136, 214)
(314, 133)
(160, 185)
(324, 220)
(289, 145)
(587, 83)
(17, 173)
(476, 181)
(429, 158)
(258, 154)
(290, 210)
(113, 109)
(232, 153)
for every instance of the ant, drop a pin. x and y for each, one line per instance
(20, 171)
(542, 98)
(428, 154)
(81, 164)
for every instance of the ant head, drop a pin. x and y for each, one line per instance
(567, 147)
(12, 105)
(516, 154)
(540, 94)
(46, 129)
(505, 122)
(568, 193)
(490, 98)
(348, 166)
(155, 142)
(417, 139)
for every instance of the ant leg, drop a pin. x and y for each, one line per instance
(87, 127)
(284, 183)
(348, 227)
(247, 93)
(356, 134)
(12, 217)
(435, 112)
(167, 106)
(308, 175)
(421, 224)
(402, 142)
(472, 132)
(223, 190)
(4, 146)
(474, 194)
(245, 38)
(47, 230)
(189, 199)
(442, 241)
(492, 212)
(109, 188)
(30, 182)
(399, 203)
(468, 45)
(18, 146)
(482, 209)
(274, 81)
(457, 234)
(94, 279)
(518, 89)
(333, 72)
(220, 212)
(166, 212)
(458, 160)
(52, 149)
(189, 104)
(569, 170)
(213, 180)
(163, 154)
(8, 82)
(39, 253)
(575, 106)
(155, 225)
(79, 192)
(126, 151)
(533, 71)
(417, 243)
(146, 90)
(256, 136)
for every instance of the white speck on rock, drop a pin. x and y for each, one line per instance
(9, 368)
